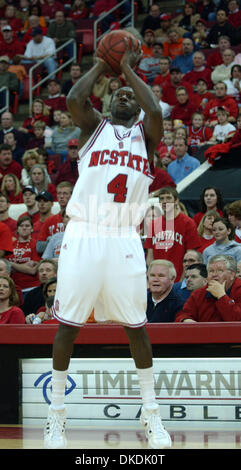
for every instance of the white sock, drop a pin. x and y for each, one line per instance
(59, 379)
(146, 380)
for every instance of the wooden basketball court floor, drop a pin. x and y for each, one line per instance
(184, 436)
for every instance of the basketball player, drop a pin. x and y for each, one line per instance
(98, 267)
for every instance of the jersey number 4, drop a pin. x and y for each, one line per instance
(117, 186)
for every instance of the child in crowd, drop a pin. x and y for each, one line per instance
(167, 125)
(224, 130)
(166, 148)
(38, 139)
(198, 134)
(202, 94)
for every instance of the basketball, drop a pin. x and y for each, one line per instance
(112, 47)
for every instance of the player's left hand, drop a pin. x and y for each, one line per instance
(132, 54)
(216, 289)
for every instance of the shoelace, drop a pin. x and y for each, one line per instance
(58, 425)
(155, 425)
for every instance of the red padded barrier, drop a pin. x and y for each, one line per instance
(165, 333)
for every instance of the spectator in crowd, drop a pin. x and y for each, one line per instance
(198, 133)
(220, 99)
(79, 11)
(39, 112)
(199, 70)
(17, 151)
(190, 257)
(11, 188)
(52, 250)
(114, 84)
(10, 45)
(30, 158)
(210, 199)
(10, 312)
(68, 171)
(200, 33)
(188, 18)
(234, 13)
(224, 233)
(234, 82)
(62, 134)
(62, 30)
(184, 61)
(4, 214)
(205, 229)
(184, 164)
(207, 9)
(222, 27)
(7, 164)
(5, 270)
(29, 199)
(37, 138)
(185, 108)
(34, 21)
(220, 299)
(173, 47)
(148, 40)
(150, 66)
(215, 57)
(161, 34)
(176, 80)
(55, 223)
(224, 129)
(6, 242)
(7, 124)
(74, 73)
(163, 77)
(202, 95)
(45, 203)
(171, 235)
(24, 259)
(55, 99)
(166, 109)
(166, 147)
(162, 302)
(43, 314)
(10, 13)
(152, 20)
(234, 216)
(40, 181)
(39, 48)
(196, 277)
(35, 299)
(161, 176)
(49, 9)
(7, 79)
(222, 72)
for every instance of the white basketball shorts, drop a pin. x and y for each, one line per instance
(107, 273)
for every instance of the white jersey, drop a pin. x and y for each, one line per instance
(114, 177)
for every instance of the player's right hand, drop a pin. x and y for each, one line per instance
(132, 54)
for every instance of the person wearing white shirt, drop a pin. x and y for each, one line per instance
(223, 71)
(41, 47)
(223, 129)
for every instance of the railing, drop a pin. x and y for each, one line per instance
(6, 107)
(130, 16)
(62, 66)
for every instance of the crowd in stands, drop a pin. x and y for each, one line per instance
(192, 62)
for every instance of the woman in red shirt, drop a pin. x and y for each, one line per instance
(205, 230)
(211, 199)
(39, 112)
(9, 301)
(11, 188)
(24, 259)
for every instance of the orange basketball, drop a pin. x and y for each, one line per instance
(112, 47)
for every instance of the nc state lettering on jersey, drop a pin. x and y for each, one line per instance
(122, 158)
(167, 235)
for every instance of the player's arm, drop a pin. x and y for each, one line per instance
(153, 123)
(79, 105)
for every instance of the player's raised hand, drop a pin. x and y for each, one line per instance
(106, 68)
(132, 54)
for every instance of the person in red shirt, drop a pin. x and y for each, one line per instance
(211, 199)
(176, 80)
(220, 99)
(11, 187)
(39, 112)
(163, 79)
(45, 204)
(9, 301)
(215, 57)
(9, 44)
(55, 223)
(4, 215)
(7, 164)
(185, 108)
(6, 242)
(234, 14)
(220, 299)
(199, 70)
(68, 171)
(55, 100)
(49, 9)
(24, 259)
(15, 23)
(205, 230)
(198, 134)
(171, 235)
(202, 95)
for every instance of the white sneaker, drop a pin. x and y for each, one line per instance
(54, 432)
(157, 436)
